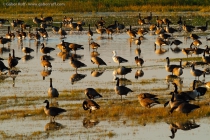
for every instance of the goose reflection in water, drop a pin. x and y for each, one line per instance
(45, 73)
(77, 77)
(97, 73)
(187, 125)
(13, 74)
(139, 73)
(4, 50)
(47, 57)
(94, 54)
(176, 49)
(174, 79)
(27, 57)
(160, 51)
(90, 122)
(52, 126)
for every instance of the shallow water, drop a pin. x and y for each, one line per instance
(29, 83)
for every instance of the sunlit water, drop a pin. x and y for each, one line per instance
(29, 82)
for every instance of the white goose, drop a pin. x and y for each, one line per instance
(118, 59)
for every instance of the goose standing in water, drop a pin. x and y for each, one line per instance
(118, 59)
(76, 63)
(90, 105)
(97, 60)
(121, 90)
(92, 93)
(52, 111)
(196, 72)
(169, 68)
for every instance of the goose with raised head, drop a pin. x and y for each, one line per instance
(90, 105)
(118, 59)
(203, 28)
(138, 41)
(131, 33)
(90, 32)
(170, 30)
(100, 30)
(121, 90)
(139, 61)
(97, 60)
(196, 72)
(169, 68)
(76, 63)
(101, 22)
(52, 92)
(61, 31)
(46, 50)
(52, 111)
(92, 93)
(148, 19)
(148, 100)
(206, 59)
(140, 20)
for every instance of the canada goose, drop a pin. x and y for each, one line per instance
(139, 61)
(141, 21)
(89, 33)
(98, 61)
(90, 104)
(120, 27)
(141, 32)
(138, 51)
(160, 42)
(185, 108)
(164, 36)
(203, 28)
(122, 71)
(180, 21)
(148, 18)
(55, 29)
(46, 50)
(178, 71)
(112, 26)
(187, 51)
(8, 35)
(196, 72)
(27, 50)
(72, 25)
(48, 19)
(205, 58)
(94, 45)
(198, 51)
(153, 27)
(131, 33)
(77, 77)
(37, 36)
(61, 31)
(19, 22)
(148, 100)
(46, 63)
(169, 68)
(4, 40)
(170, 30)
(187, 28)
(52, 111)
(118, 59)
(43, 33)
(121, 90)
(176, 42)
(138, 41)
(194, 36)
(52, 92)
(75, 47)
(159, 30)
(109, 31)
(3, 67)
(12, 60)
(100, 30)
(76, 63)
(31, 35)
(101, 22)
(196, 43)
(37, 21)
(159, 21)
(92, 93)
(207, 50)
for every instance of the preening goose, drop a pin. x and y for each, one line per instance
(148, 100)
(121, 90)
(118, 59)
(97, 60)
(94, 45)
(52, 111)
(92, 93)
(90, 105)
(52, 92)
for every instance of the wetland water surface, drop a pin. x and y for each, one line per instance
(28, 90)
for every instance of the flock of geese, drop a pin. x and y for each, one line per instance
(180, 100)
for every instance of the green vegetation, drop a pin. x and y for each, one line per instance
(65, 6)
